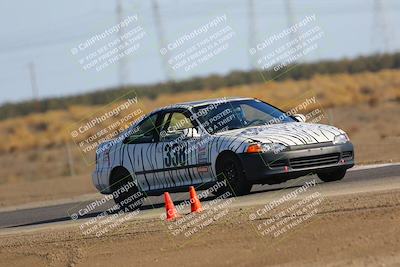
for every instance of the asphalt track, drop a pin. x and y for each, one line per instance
(364, 178)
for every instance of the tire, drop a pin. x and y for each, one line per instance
(125, 192)
(230, 169)
(332, 176)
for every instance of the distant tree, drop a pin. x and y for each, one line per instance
(301, 71)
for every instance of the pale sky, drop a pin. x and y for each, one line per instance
(43, 32)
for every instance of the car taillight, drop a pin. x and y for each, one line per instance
(106, 157)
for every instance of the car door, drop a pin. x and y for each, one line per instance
(141, 156)
(178, 137)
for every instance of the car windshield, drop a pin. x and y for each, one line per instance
(225, 116)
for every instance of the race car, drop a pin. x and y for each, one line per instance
(237, 142)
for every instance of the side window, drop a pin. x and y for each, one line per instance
(173, 125)
(145, 132)
(179, 122)
(165, 121)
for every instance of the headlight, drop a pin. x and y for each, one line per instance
(340, 139)
(274, 147)
(262, 148)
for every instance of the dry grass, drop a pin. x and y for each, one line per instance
(53, 128)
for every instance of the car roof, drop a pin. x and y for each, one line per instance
(209, 101)
(191, 104)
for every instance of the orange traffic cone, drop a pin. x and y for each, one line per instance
(194, 200)
(172, 214)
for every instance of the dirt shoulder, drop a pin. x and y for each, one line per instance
(342, 232)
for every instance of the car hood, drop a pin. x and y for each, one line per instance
(289, 134)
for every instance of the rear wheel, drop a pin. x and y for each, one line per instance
(332, 176)
(125, 192)
(230, 169)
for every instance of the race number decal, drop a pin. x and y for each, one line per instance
(175, 155)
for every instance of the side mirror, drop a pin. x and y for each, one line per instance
(299, 117)
(134, 139)
(128, 140)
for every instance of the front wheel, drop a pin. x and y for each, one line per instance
(230, 169)
(332, 176)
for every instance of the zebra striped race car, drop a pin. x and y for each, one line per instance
(231, 142)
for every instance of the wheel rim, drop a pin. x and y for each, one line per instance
(230, 171)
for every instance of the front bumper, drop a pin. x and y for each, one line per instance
(296, 161)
